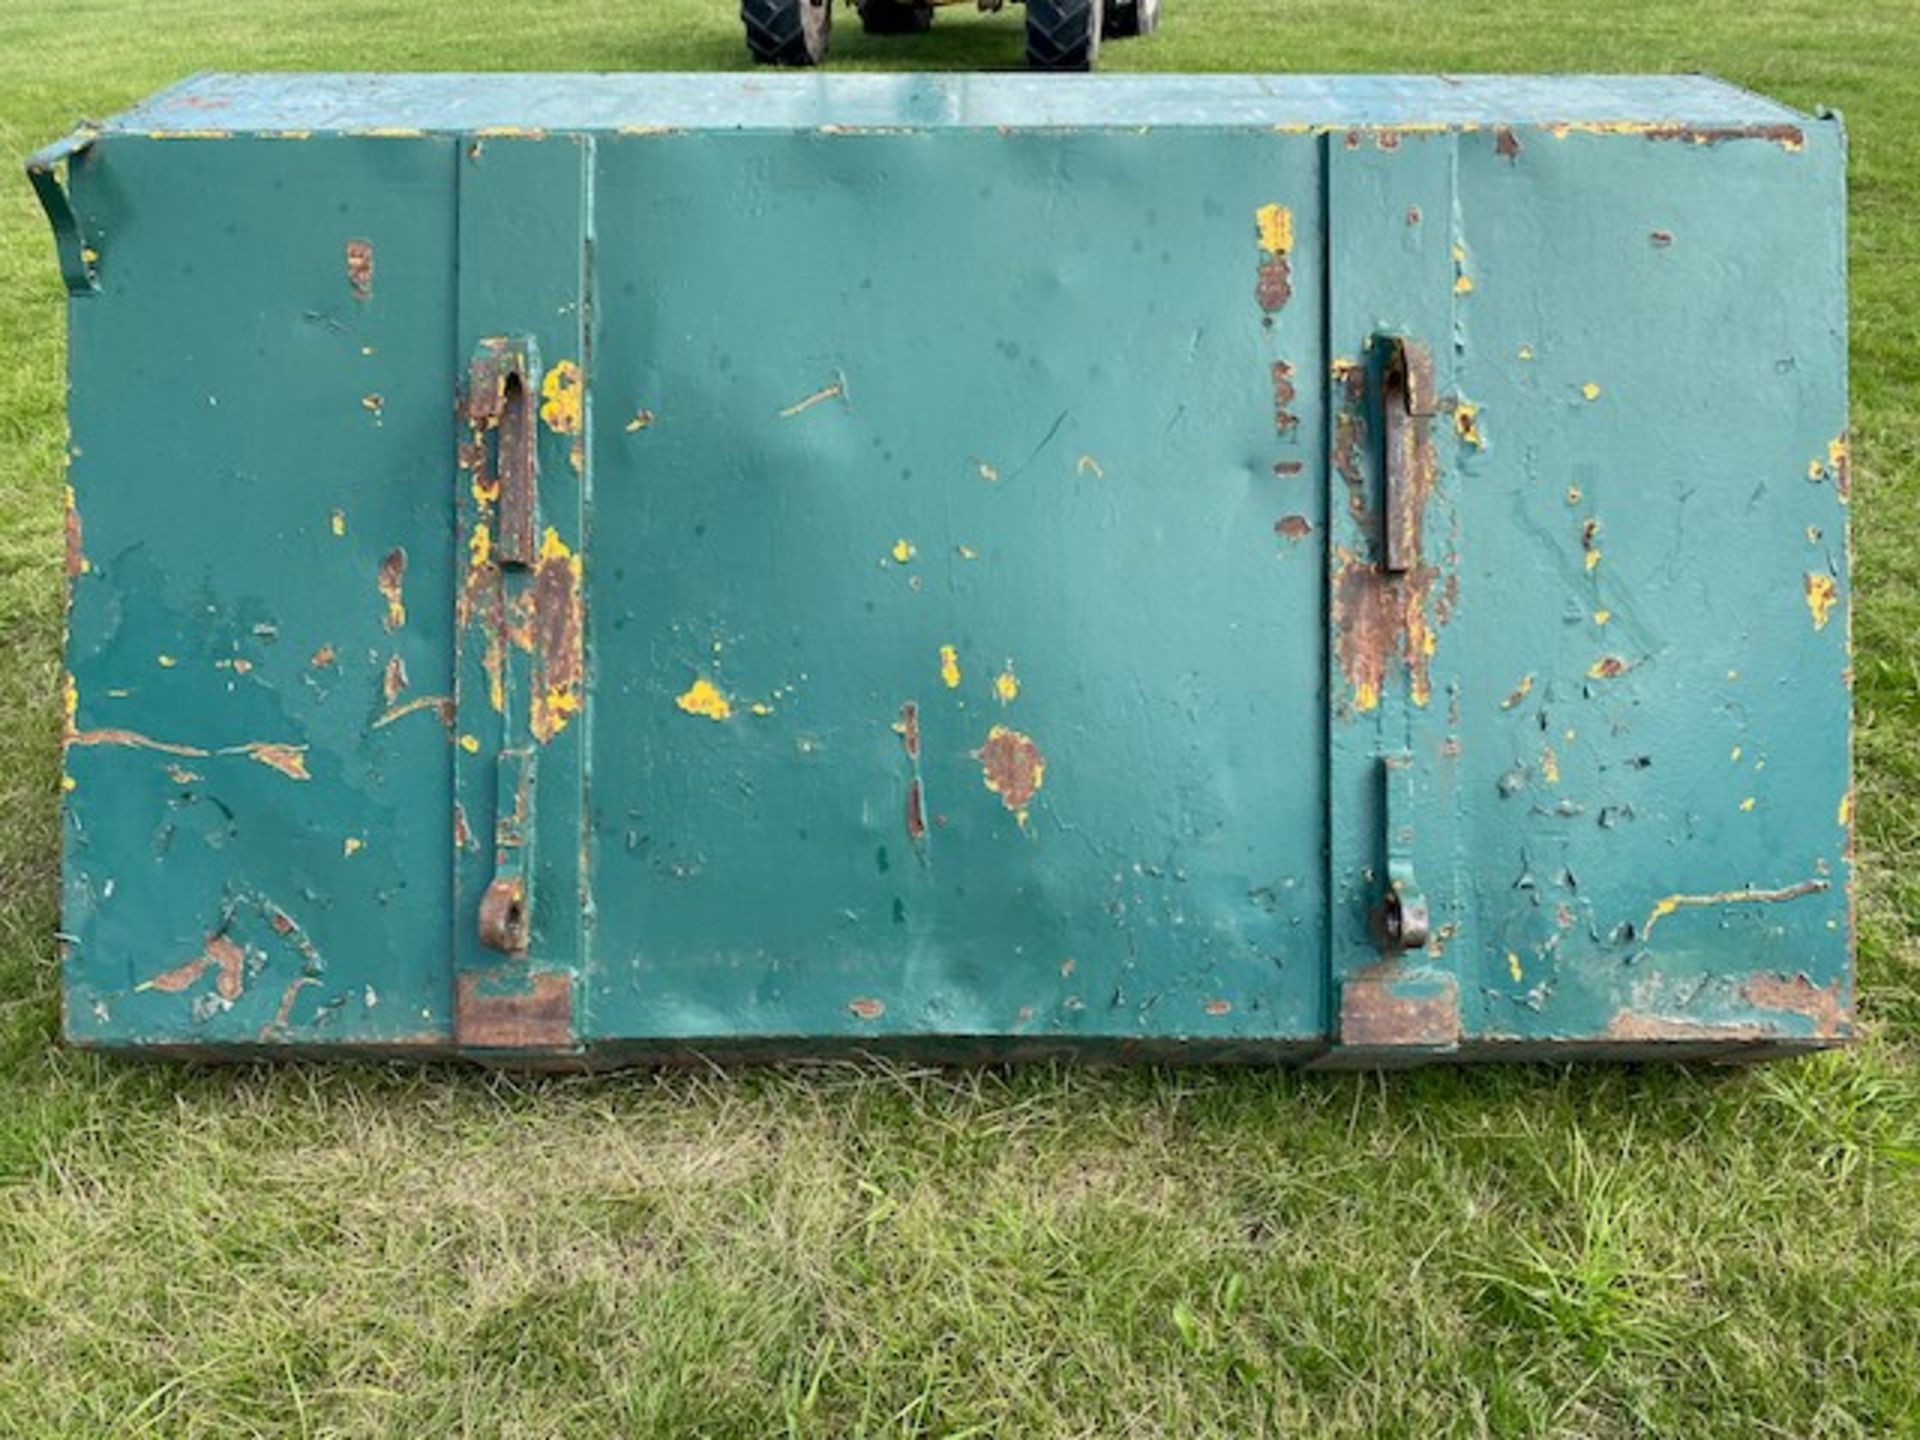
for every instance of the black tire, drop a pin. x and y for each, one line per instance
(787, 32)
(894, 17)
(1063, 34)
(1127, 18)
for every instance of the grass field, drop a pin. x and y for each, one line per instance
(850, 1251)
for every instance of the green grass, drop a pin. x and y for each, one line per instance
(843, 1251)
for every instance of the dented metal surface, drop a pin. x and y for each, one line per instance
(1319, 647)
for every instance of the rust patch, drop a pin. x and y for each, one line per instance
(289, 760)
(1288, 467)
(442, 705)
(1275, 286)
(76, 565)
(537, 1018)
(392, 580)
(284, 1011)
(394, 680)
(322, 657)
(1349, 435)
(1012, 767)
(1506, 144)
(1376, 613)
(908, 728)
(555, 638)
(133, 740)
(1660, 239)
(1374, 1015)
(1218, 1007)
(866, 1009)
(1788, 136)
(1366, 615)
(1293, 527)
(1634, 1025)
(1840, 459)
(360, 269)
(219, 953)
(1608, 667)
(1284, 394)
(462, 833)
(1832, 1017)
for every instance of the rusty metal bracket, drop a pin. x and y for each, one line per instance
(1405, 923)
(506, 909)
(503, 385)
(1406, 402)
(77, 256)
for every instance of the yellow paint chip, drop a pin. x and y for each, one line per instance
(903, 551)
(967, 552)
(1590, 390)
(760, 707)
(1087, 465)
(987, 472)
(167, 662)
(1601, 617)
(1746, 805)
(1513, 967)
(1734, 755)
(1463, 284)
(1593, 558)
(1843, 813)
(1466, 424)
(469, 744)
(1366, 696)
(704, 699)
(1275, 223)
(1526, 352)
(949, 667)
(1006, 685)
(1573, 494)
(560, 392)
(1520, 692)
(1820, 593)
(1549, 765)
(338, 521)
(350, 844)
(480, 545)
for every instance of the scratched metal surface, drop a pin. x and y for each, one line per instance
(956, 618)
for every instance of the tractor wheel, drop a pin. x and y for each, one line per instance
(787, 32)
(894, 17)
(1127, 18)
(1063, 34)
